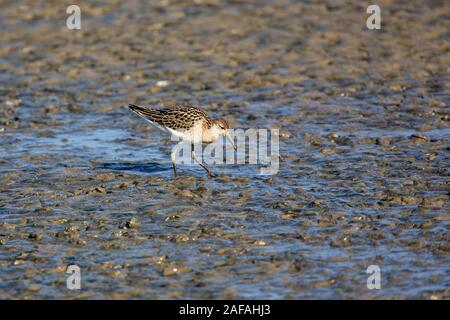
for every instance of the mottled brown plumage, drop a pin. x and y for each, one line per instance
(177, 118)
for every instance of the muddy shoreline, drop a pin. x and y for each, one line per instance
(364, 135)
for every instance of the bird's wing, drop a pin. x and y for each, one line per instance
(179, 119)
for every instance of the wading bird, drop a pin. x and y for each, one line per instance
(192, 125)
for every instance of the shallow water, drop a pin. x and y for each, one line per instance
(364, 139)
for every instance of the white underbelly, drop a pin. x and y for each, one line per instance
(194, 135)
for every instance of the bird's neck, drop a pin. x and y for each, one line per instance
(211, 134)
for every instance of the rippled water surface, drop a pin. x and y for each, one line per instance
(364, 138)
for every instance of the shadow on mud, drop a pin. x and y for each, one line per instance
(135, 167)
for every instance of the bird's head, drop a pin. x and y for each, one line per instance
(224, 128)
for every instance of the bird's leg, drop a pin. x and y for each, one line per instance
(200, 163)
(173, 155)
(174, 169)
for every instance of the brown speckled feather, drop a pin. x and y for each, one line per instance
(179, 119)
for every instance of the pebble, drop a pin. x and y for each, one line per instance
(132, 223)
(172, 218)
(34, 236)
(162, 83)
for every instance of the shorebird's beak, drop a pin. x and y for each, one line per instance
(228, 136)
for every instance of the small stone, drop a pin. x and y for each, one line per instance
(328, 151)
(259, 243)
(288, 215)
(51, 108)
(33, 288)
(324, 223)
(170, 271)
(162, 83)
(409, 200)
(104, 176)
(99, 189)
(438, 201)
(408, 183)
(34, 236)
(8, 225)
(172, 218)
(425, 225)
(77, 241)
(132, 223)
(418, 137)
(185, 193)
(285, 135)
(160, 259)
(323, 283)
(117, 274)
(180, 238)
(382, 141)
(13, 102)
(206, 248)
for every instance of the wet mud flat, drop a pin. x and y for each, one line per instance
(364, 136)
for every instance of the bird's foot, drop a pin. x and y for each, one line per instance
(174, 170)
